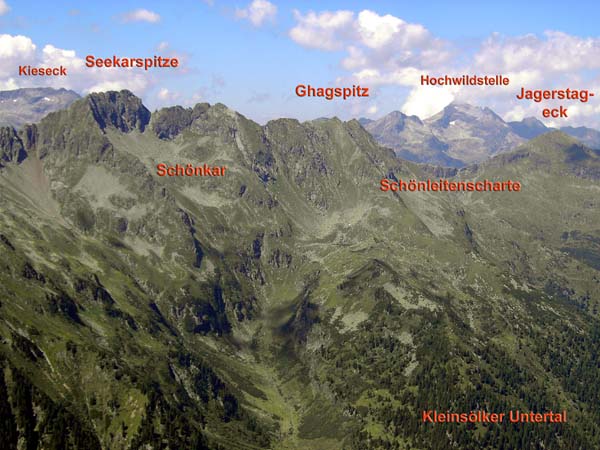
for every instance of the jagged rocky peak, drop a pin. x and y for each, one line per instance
(532, 121)
(122, 110)
(169, 122)
(287, 122)
(529, 127)
(458, 111)
(11, 146)
(401, 115)
(395, 120)
(588, 136)
(460, 134)
(218, 119)
(554, 152)
(398, 121)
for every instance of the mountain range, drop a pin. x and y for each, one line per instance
(30, 105)
(289, 304)
(461, 134)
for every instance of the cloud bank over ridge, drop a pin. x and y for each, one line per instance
(384, 50)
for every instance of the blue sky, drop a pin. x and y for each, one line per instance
(251, 54)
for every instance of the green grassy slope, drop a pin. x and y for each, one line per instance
(290, 304)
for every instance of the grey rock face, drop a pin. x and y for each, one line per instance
(29, 105)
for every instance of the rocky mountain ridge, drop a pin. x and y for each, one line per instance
(290, 304)
(461, 134)
(30, 105)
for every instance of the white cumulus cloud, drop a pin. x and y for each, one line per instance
(386, 51)
(555, 51)
(553, 60)
(425, 102)
(384, 47)
(16, 46)
(377, 31)
(141, 15)
(18, 50)
(4, 8)
(166, 96)
(361, 34)
(258, 12)
(324, 31)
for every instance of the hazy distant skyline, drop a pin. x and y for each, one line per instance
(251, 54)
